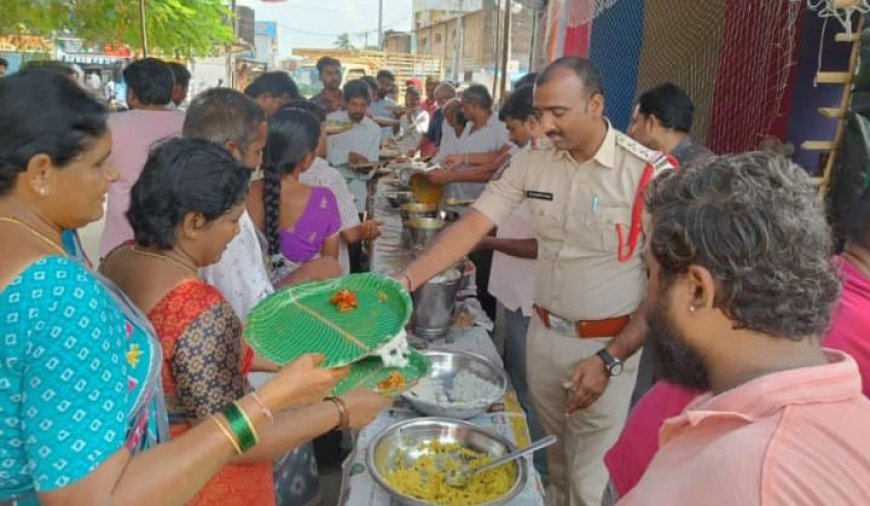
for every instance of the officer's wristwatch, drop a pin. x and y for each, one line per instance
(612, 365)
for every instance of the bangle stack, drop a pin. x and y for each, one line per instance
(239, 429)
(343, 413)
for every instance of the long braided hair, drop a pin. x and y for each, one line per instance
(293, 135)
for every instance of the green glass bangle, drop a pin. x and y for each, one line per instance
(241, 426)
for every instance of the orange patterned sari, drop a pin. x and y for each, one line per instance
(204, 369)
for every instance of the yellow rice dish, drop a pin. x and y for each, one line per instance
(426, 480)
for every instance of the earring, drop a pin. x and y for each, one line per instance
(42, 191)
(691, 309)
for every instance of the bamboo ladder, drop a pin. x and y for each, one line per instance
(846, 79)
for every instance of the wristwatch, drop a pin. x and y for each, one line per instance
(612, 365)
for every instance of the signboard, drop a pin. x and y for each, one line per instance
(267, 28)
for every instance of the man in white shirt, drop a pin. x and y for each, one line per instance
(484, 139)
(413, 124)
(229, 118)
(322, 174)
(360, 144)
(384, 107)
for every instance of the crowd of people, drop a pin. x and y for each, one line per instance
(680, 320)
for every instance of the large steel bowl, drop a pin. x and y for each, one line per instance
(424, 230)
(405, 439)
(445, 366)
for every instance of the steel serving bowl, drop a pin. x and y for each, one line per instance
(445, 367)
(406, 437)
(424, 230)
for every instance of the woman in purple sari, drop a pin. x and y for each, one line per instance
(299, 222)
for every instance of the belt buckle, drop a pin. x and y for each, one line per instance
(562, 325)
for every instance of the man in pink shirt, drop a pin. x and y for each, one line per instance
(740, 288)
(149, 91)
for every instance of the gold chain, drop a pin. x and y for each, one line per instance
(35, 233)
(166, 257)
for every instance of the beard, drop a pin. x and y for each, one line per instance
(675, 361)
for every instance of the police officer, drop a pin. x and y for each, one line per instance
(586, 193)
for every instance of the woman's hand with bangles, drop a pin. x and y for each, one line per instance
(300, 383)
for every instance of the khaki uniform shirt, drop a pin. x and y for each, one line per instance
(578, 210)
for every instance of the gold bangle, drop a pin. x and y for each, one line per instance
(343, 413)
(227, 433)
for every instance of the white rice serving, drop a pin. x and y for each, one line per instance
(467, 389)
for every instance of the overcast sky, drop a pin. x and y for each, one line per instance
(317, 23)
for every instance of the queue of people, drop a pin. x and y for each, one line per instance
(659, 308)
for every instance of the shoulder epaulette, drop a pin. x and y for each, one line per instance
(658, 160)
(635, 148)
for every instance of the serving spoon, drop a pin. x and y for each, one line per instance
(462, 475)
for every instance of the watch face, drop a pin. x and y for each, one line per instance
(615, 369)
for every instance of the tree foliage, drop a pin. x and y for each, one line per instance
(343, 41)
(182, 27)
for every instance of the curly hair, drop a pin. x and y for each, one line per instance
(750, 219)
(293, 135)
(183, 176)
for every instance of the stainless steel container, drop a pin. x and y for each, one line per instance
(403, 440)
(446, 365)
(424, 230)
(433, 305)
(410, 211)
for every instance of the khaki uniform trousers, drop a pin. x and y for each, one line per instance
(578, 476)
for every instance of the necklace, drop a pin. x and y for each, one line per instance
(36, 233)
(164, 256)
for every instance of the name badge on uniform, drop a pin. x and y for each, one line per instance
(539, 195)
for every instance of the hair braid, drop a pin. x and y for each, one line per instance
(272, 211)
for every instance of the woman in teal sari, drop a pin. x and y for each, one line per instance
(80, 395)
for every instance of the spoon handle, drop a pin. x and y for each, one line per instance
(537, 445)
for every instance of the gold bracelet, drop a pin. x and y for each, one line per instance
(227, 433)
(343, 413)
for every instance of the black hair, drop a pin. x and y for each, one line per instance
(478, 95)
(43, 112)
(327, 61)
(293, 135)
(413, 90)
(221, 115)
(308, 106)
(151, 80)
(372, 83)
(526, 80)
(179, 73)
(52, 66)
(183, 176)
(858, 230)
(276, 83)
(386, 74)
(520, 105)
(670, 104)
(4, 63)
(592, 79)
(356, 89)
